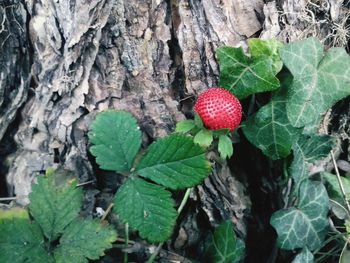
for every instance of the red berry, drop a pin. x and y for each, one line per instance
(219, 109)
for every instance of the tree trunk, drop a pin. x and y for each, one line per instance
(64, 61)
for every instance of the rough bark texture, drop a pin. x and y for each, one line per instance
(64, 61)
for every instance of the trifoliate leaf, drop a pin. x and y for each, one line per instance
(306, 225)
(185, 126)
(147, 208)
(21, 241)
(320, 79)
(305, 256)
(116, 140)
(175, 162)
(306, 151)
(223, 246)
(243, 75)
(266, 49)
(54, 203)
(204, 138)
(225, 147)
(270, 130)
(83, 240)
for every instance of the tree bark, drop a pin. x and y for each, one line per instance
(64, 61)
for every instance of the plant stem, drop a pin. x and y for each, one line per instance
(340, 182)
(179, 210)
(126, 242)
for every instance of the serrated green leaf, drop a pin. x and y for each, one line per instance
(320, 80)
(333, 187)
(223, 245)
(54, 203)
(22, 241)
(307, 224)
(243, 75)
(204, 138)
(225, 147)
(175, 162)
(185, 126)
(266, 49)
(83, 240)
(270, 130)
(147, 208)
(305, 256)
(306, 151)
(116, 140)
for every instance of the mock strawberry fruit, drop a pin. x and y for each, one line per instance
(219, 109)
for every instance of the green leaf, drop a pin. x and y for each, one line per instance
(243, 75)
(204, 138)
(270, 131)
(116, 140)
(54, 203)
(147, 208)
(83, 240)
(307, 224)
(184, 126)
(198, 121)
(22, 241)
(320, 80)
(225, 147)
(345, 254)
(333, 187)
(306, 151)
(266, 49)
(175, 162)
(305, 256)
(223, 246)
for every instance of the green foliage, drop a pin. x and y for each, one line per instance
(225, 147)
(306, 151)
(146, 207)
(305, 256)
(204, 138)
(333, 187)
(320, 79)
(84, 239)
(185, 126)
(269, 129)
(116, 140)
(243, 75)
(55, 203)
(306, 224)
(22, 240)
(223, 246)
(175, 162)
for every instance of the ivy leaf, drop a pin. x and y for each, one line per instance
(270, 130)
(307, 224)
(243, 75)
(185, 126)
(116, 140)
(175, 162)
(306, 151)
(266, 49)
(54, 202)
(305, 256)
(21, 240)
(320, 80)
(223, 245)
(225, 147)
(333, 187)
(147, 208)
(83, 240)
(204, 138)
